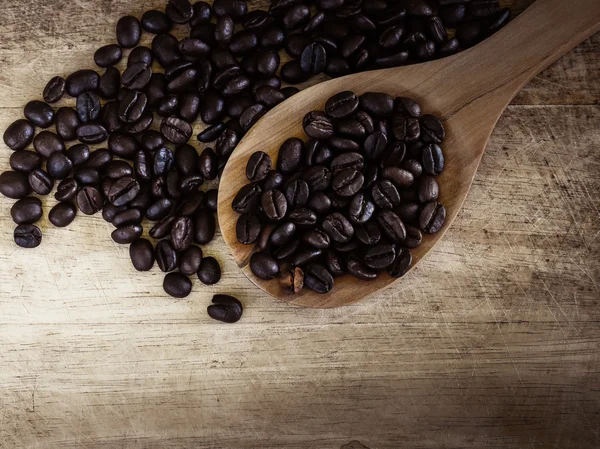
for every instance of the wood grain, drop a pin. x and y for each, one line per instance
(492, 342)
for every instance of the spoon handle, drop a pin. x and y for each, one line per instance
(501, 65)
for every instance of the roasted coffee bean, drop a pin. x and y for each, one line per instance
(78, 154)
(318, 279)
(347, 182)
(226, 143)
(142, 125)
(136, 76)
(54, 90)
(19, 134)
(296, 193)
(190, 260)
(350, 128)
(258, 166)
(243, 42)
(252, 115)
(340, 144)
(369, 233)
(162, 228)
(282, 234)
(212, 109)
(110, 117)
(400, 177)
(304, 256)
(360, 209)
(46, 143)
(269, 96)
(247, 199)
(108, 55)
(141, 253)
(273, 38)
(25, 161)
(413, 166)
(140, 55)
(27, 236)
(225, 308)
(62, 214)
(211, 133)
(26, 211)
(99, 158)
(81, 81)
(377, 104)
(385, 195)
(401, 264)
(166, 256)
(375, 145)
(204, 226)
(433, 159)
(288, 250)
(273, 180)
(110, 81)
(391, 225)
(179, 11)
(318, 178)
(127, 217)
(292, 73)
(338, 227)
(408, 212)
(189, 106)
(209, 272)
(290, 155)
(92, 133)
(177, 285)
(247, 229)
(380, 256)
(176, 130)
(320, 203)
(122, 145)
(292, 280)
(341, 105)
(126, 234)
(132, 106)
(163, 160)
(123, 190)
(256, 20)
(428, 189)
(67, 189)
(168, 105)
(413, 237)
(15, 185)
(129, 31)
(313, 58)
(274, 204)
(334, 263)
(432, 130)
(159, 209)
(165, 49)
(359, 271)
(39, 113)
(303, 217)
(207, 164)
(264, 266)
(316, 238)
(59, 165)
(156, 22)
(296, 16)
(432, 217)
(89, 200)
(234, 8)
(182, 233)
(318, 125)
(224, 29)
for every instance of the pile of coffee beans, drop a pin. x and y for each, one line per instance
(355, 198)
(227, 72)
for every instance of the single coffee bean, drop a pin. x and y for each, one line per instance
(400, 177)
(163, 160)
(152, 140)
(91, 133)
(272, 38)
(341, 105)
(247, 229)
(269, 96)
(117, 169)
(225, 308)
(247, 199)
(165, 49)
(274, 204)
(347, 182)
(413, 166)
(110, 117)
(282, 234)
(204, 226)
(110, 81)
(46, 143)
(26, 211)
(287, 251)
(186, 160)
(252, 115)
(338, 227)
(318, 279)
(207, 164)
(67, 122)
(177, 285)
(313, 58)
(296, 193)
(292, 73)
(316, 238)
(127, 234)
(25, 161)
(360, 209)
(140, 55)
(81, 81)
(292, 280)
(142, 125)
(264, 266)
(350, 128)
(27, 236)
(432, 130)
(141, 253)
(359, 271)
(264, 238)
(433, 159)
(256, 20)
(414, 237)
(15, 185)
(342, 144)
(168, 105)
(375, 145)
(189, 106)
(211, 133)
(190, 260)
(59, 165)
(156, 22)
(428, 189)
(334, 264)
(176, 130)
(162, 228)
(62, 214)
(346, 161)
(137, 76)
(182, 232)
(67, 189)
(123, 190)
(243, 42)
(408, 212)
(132, 106)
(126, 217)
(108, 55)
(318, 125)
(166, 256)
(391, 225)
(320, 203)
(89, 200)
(129, 31)
(179, 11)
(318, 178)
(39, 113)
(369, 233)
(273, 180)
(159, 209)
(19, 134)
(385, 195)
(432, 217)
(380, 256)
(401, 264)
(227, 142)
(54, 90)
(304, 256)
(377, 104)
(303, 217)
(258, 166)
(78, 154)
(209, 272)
(290, 155)
(224, 29)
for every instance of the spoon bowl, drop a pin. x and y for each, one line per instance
(468, 92)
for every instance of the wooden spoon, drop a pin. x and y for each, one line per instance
(468, 92)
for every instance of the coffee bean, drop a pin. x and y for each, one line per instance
(176, 130)
(25, 161)
(274, 204)
(141, 253)
(26, 211)
(163, 160)
(347, 182)
(286, 251)
(156, 22)
(67, 189)
(54, 90)
(89, 200)
(225, 308)
(297, 193)
(408, 212)
(81, 81)
(252, 115)
(303, 217)
(400, 177)
(264, 266)
(428, 189)
(282, 234)
(46, 143)
(290, 155)
(162, 228)
(117, 169)
(123, 190)
(129, 31)
(318, 125)
(401, 264)
(59, 165)
(132, 106)
(127, 217)
(78, 154)
(305, 256)
(338, 227)
(432, 217)
(15, 184)
(108, 55)
(313, 59)
(258, 166)
(375, 145)
(209, 272)
(211, 133)
(247, 228)
(316, 238)
(368, 233)
(39, 113)
(292, 73)
(205, 226)
(318, 178)
(91, 133)
(226, 143)
(433, 159)
(432, 129)
(190, 260)
(292, 280)
(360, 209)
(377, 104)
(391, 225)
(19, 134)
(318, 279)
(127, 234)
(320, 203)
(110, 81)
(27, 236)
(166, 256)
(385, 195)
(247, 199)
(137, 76)
(179, 11)
(359, 271)
(62, 214)
(296, 16)
(341, 105)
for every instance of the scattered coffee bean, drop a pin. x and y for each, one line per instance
(209, 272)
(225, 308)
(27, 236)
(177, 285)
(26, 211)
(62, 214)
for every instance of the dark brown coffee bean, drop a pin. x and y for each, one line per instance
(286, 251)
(166, 256)
(375, 145)
(127, 234)
(91, 133)
(369, 233)
(303, 217)
(211, 133)
(320, 203)
(108, 55)
(359, 271)
(19, 134)
(290, 155)
(40, 182)
(297, 193)
(78, 154)
(176, 130)
(226, 143)
(258, 166)
(338, 227)
(26, 211)
(127, 217)
(248, 229)
(137, 76)
(213, 108)
(292, 280)
(207, 164)
(385, 195)
(81, 81)
(46, 143)
(313, 58)
(408, 212)
(273, 180)
(25, 161)
(190, 261)
(264, 266)
(129, 31)
(380, 256)
(179, 11)
(453, 15)
(432, 129)
(141, 253)
(247, 199)
(334, 264)
(304, 256)
(432, 217)
(401, 264)
(316, 238)
(360, 209)
(377, 104)
(54, 90)
(433, 159)
(59, 165)
(67, 189)
(347, 182)
(27, 236)
(274, 204)
(205, 226)
(282, 234)
(428, 189)
(156, 22)
(123, 191)
(224, 30)
(181, 233)
(340, 144)
(89, 200)
(391, 225)
(318, 125)
(292, 73)
(252, 115)
(400, 177)
(225, 308)
(132, 106)
(62, 214)
(318, 279)
(39, 113)
(318, 178)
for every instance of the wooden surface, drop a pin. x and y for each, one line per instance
(492, 342)
(468, 92)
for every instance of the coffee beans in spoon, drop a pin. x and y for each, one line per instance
(223, 71)
(331, 216)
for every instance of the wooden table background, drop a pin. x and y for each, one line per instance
(492, 342)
